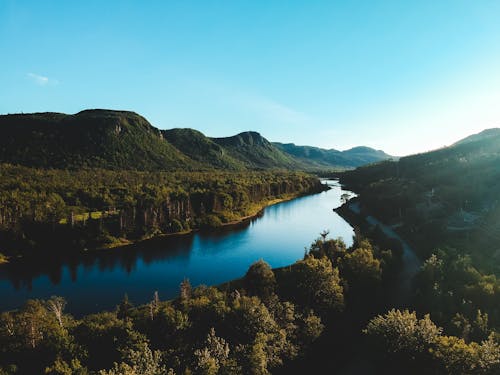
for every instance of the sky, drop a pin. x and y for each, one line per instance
(401, 76)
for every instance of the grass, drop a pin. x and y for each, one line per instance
(85, 216)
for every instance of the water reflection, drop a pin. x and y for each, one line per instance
(98, 280)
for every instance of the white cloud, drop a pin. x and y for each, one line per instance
(41, 80)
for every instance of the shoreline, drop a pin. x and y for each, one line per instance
(122, 244)
(223, 227)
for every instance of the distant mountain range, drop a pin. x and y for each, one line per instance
(320, 158)
(125, 140)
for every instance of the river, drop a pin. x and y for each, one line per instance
(98, 281)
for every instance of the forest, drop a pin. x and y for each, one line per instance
(319, 314)
(445, 204)
(97, 208)
(338, 310)
(117, 140)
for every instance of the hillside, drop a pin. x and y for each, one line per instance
(255, 151)
(316, 157)
(485, 134)
(447, 197)
(125, 140)
(202, 149)
(91, 138)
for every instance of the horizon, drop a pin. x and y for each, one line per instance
(262, 134)
(402, 78)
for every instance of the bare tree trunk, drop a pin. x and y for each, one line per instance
(56, 306)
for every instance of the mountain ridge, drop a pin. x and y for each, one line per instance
(111, 139)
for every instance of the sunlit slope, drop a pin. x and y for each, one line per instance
(254, 150)
(198, 147)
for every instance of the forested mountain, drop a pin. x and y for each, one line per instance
(92, 138)
(256, 151)
(316, 157)
(125, 140)
(485, 134)
(444, 197)
(445, 204)
(201, 148)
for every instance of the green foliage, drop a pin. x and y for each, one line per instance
(73, 210)
(318, 285)
(361, 268)
(458, 295)
(213, 355)
(210, 222)
(409, 342)
(274, 319)
(256, 152)
(176, 226)
(92, 138)
(402, 332)
(60, 367)
(140, 362)
(442, 198)
(260, 281)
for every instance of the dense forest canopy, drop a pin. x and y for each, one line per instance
(92, 208)
(287, 320)
(448, 197)
(102, 179)
(445, 203)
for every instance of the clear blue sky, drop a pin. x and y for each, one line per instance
(402, 76)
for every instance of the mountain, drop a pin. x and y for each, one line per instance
(202, 149)
(321, 158)
(91, 138)
(485, 134)
(255, 151)
(108, 139)
(443, 198)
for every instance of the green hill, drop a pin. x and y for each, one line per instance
(447, 197)
(201, 148)
(91, 138)
(125, 140)
(316, 157)
(485, 134)
(255, 151)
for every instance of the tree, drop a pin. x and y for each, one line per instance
(455, 356)
(361, 269)
(61, 367)
(140, 362)
(32, 321)
(402, 333)
(124, 307)
(260, 280)
(317, 285)
(257, 358)
(56, 305)
(324, 234)
(185, 290)
(213, 355)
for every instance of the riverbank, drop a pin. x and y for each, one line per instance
(353, 213)
(256, 210)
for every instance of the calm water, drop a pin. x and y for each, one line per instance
(98, 281)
